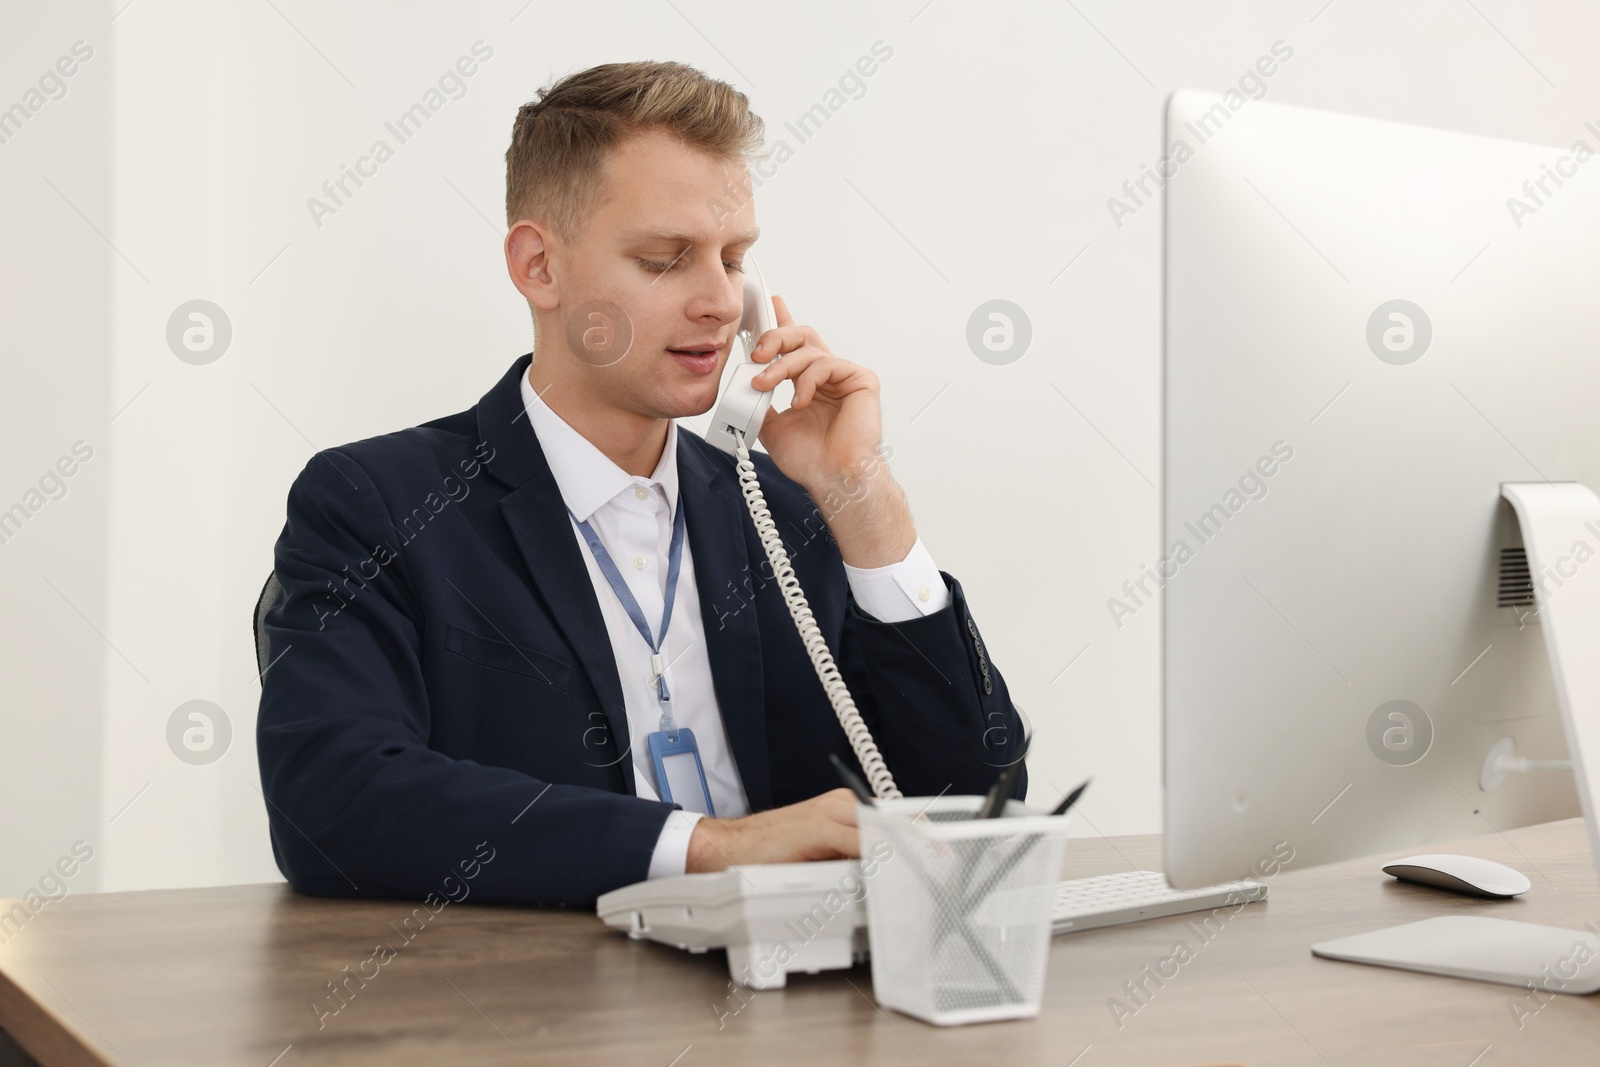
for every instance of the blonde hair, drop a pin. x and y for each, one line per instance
(560, 141)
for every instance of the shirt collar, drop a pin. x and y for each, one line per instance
(586, 476)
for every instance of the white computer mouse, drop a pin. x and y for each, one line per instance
(1461, 874)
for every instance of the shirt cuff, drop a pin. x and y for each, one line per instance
(671, 854)
(900, 591)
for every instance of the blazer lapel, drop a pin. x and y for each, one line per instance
(717, 519)
(534, 513)
(716, 522)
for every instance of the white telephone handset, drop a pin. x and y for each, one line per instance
(734, 425)
(743, 407)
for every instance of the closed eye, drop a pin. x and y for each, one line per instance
(658, 267)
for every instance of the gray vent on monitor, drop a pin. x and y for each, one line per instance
(1516, 584)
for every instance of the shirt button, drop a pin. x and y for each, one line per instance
(639, 563)
(923, 594)
(641, 492)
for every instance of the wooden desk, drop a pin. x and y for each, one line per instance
(227, 976)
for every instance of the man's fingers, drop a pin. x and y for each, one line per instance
(785, 338)
(805, 385)
(840, 804)
(790, 365)
(821, 828)
(844, 840)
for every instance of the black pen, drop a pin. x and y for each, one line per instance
(853, 780)
(1070, 799)
(969, 900)
(994, 804)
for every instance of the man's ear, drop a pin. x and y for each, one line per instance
(530, 254)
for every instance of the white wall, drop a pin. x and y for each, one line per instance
(56, 282)
(976, 166)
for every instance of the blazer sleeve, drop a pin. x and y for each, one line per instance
(358, 803)
(934, 700)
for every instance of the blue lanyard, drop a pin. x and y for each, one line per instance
(609, 569)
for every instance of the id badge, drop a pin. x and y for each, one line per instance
(680, 779)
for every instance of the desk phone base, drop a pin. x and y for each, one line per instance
(779, 919)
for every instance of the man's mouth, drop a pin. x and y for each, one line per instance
(699, 359)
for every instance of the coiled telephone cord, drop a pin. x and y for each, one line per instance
(866, 749)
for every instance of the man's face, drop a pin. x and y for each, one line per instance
(663, 245)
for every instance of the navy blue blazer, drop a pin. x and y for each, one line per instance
(441, 678)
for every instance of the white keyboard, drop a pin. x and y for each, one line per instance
(756, 910)
(1133, 896)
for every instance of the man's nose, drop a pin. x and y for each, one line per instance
(723, 297)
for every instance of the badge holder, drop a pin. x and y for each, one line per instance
(680, 779)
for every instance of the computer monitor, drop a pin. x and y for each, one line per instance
(1370, 329)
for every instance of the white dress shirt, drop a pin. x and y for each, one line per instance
(633, 518)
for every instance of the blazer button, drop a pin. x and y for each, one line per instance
(988, 686)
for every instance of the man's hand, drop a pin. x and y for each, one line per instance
(822, 828)
(828, 441)
(834, 422)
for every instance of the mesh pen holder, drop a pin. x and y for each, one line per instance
(958, 916)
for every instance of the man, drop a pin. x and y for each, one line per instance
(467, 653)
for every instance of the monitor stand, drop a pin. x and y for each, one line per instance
(1560, 524)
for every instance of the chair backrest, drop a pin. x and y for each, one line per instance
(272, 595)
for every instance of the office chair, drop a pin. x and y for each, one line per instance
(272, 595)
